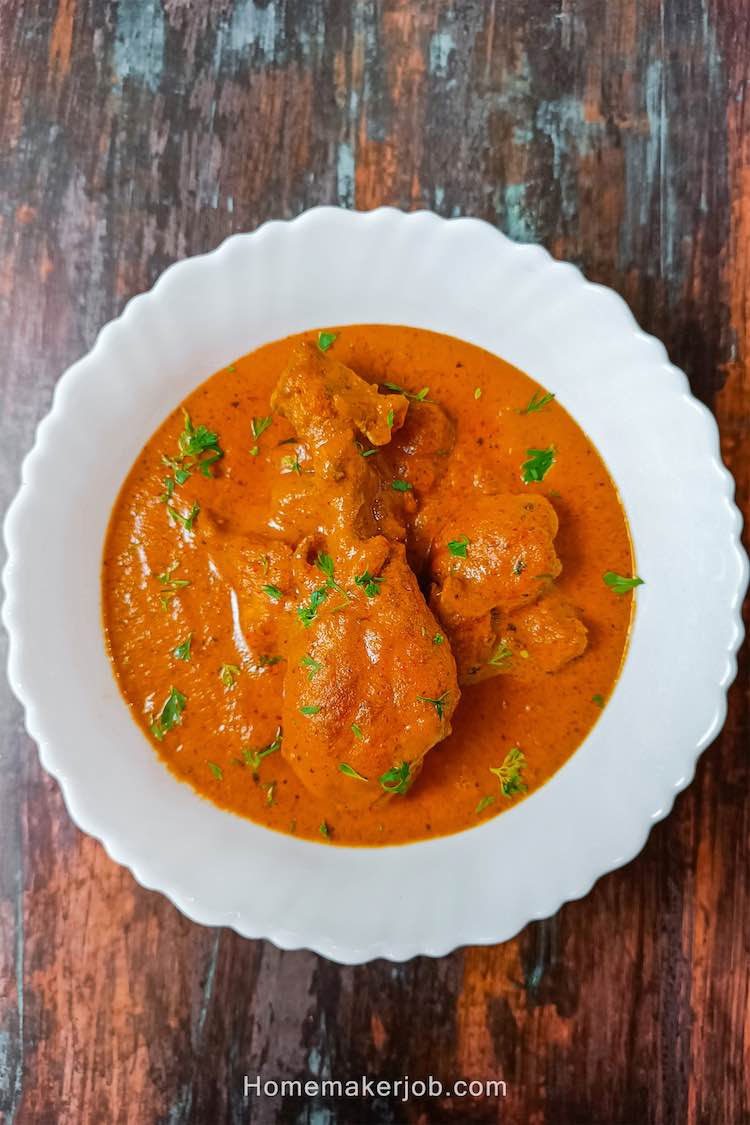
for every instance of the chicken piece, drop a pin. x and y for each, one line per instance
(540, 638)
(494, 556)
(493, 591)
(419, 453)
(367, 691)
(534, 640)
(420, 448)
(366, 686)
(331, 409)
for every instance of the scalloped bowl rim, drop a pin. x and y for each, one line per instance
(433, 896)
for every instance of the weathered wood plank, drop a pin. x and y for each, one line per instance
(138, 132)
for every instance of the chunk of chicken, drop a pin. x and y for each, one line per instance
(419, 449)
(492, 571)
(418, 453)
(367, 691)
(539, 638)
(366, 686)
(534, 640)
(331, 410)
(493, 555)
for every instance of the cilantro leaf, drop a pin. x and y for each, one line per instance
(397, 779)
(228, 673)
(182, 652)
(509, 773)
(483, 804)
(537, 402)
(439, 704)
(326, 339)
(188, 520)
(313, 665)
(369, 583)
(539, 463)
(273, 592)
(259, 426)
(349, 771)
(308, 613)
(457, 547)
(253, 758)
(621, 585)
(170, 714)
(501, 656)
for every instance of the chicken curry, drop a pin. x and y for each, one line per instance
(367, 586)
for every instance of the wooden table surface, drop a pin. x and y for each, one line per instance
(135, 133)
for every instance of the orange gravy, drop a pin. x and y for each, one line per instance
(547, 718)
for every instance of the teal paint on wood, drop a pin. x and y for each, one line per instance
(139, 42)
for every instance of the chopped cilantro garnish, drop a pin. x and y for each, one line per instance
(308, 613)
(439, 704)
(170, 714)
(228, 673)
(259, 426)
(182, 652)
(199, 449)
(188, 520)
(420, 396)
(313, 665)
(273, 592)
(171, 585)
(369, 583)
(457, 547)
(326, 339)
(397, 779)
(501, 656)
(537, 401)
(349, 771)
(539, 463)
(509, 773)
(291, 463)
(324, 564)
(253, 758)
(621, 585)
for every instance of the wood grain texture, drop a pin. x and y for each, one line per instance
(135, 132)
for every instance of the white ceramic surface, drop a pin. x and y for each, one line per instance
(579, 340)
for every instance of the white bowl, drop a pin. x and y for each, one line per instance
(460, 277)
